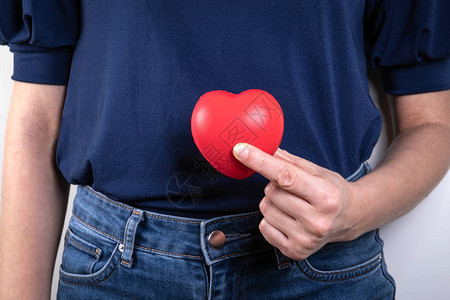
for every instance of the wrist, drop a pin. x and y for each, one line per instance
(355, 214)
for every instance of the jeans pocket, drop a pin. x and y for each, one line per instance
(344, 260)
(87, 258)
(340, 274)
(79, 256)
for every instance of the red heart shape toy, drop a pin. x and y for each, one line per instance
(221, 119)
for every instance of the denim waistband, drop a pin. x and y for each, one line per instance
(173, 236)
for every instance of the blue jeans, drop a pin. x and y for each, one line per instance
(115, 251)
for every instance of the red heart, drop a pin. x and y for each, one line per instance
(221, 119)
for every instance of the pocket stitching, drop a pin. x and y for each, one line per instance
(97, 250)
(83, 245)
(88, 283)
(385, 272)
(96, 277)
(339, 275)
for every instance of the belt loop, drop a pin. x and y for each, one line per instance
(130, 232)
(283, 261)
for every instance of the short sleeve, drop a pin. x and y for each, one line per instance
(42, 36)
(410, 41)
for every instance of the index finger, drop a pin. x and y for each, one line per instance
(285, 174)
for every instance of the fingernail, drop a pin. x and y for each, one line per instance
(268, 188)
(240, 150)
(262, 223)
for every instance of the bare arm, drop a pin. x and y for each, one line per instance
(414, 164)
(34, 193)
(307, 206)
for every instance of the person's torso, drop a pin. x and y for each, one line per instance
(139, 68)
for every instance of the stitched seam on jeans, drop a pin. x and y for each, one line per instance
(99, 274)
(212, 282)
(237, 253)
(129, 241)
(92, 260)
(125, 262)
(234, 218)
(223, 220)
(138, 246)
(172, 219)
(205, 245)
(338, 279)
(385, 273)
(131, 209)
(373, 260)
(125, 241)
(166, 252)
(90, 283)
(220, 221)
(369, 268)
(96, 229)
(90, 251)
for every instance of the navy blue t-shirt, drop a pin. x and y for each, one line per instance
(135, 70)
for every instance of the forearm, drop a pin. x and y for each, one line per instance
(34, 196)
(414, 164)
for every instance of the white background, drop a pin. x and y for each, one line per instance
(416, 246)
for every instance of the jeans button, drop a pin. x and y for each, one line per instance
(217, 239)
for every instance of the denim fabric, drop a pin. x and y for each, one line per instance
(115, 251)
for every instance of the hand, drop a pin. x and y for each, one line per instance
(305, 206)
